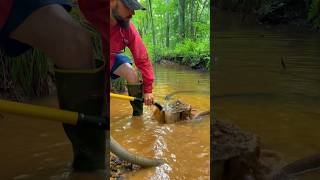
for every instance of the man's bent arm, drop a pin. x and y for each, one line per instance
(141, 58)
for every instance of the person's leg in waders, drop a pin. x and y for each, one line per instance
(46, 25)
(122, 67)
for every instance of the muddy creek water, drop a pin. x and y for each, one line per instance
(184, 146)
(39, 149)
(267, 80)
(33, 148)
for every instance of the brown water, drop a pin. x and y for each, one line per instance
(32, 148)
(184, 146)
(253, 90)
(38, 149)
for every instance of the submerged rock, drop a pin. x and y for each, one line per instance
(119, 167)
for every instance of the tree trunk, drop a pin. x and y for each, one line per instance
(152, 26)
(182, 7)
(147, 17)
(168, 28)
(192, 19)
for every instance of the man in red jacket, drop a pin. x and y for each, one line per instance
(123, 34)
(46, 25)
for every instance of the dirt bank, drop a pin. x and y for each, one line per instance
(237, 154)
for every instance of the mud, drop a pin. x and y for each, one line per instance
(119, 167)
(237, 154)
(178, 60)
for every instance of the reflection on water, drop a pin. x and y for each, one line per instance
(33, 149)
(267, 81)
(184, 146)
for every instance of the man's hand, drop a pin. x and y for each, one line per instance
(148, 99)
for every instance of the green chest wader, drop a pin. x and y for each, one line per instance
(84, 91)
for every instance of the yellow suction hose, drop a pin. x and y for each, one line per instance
(64, 116)
(78, 119)
(130, 98)
(124, 97)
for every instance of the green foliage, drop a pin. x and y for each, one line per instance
(276, 11)
(314, 13)
(190, 53)
(202, 28)
(29, 74)
(30, 70)
(191, 48)
(269, 7)
(239, 5)
(194, 46)
(118, 85)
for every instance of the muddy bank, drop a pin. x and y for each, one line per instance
(237, 154)
(280, 12)
(200, 65)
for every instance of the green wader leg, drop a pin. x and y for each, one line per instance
(135, 90)
(84, 91)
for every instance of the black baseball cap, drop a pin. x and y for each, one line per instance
(133, 4)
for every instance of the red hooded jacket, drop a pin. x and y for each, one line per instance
(129, 37)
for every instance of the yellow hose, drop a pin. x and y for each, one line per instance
(22, 109)
(74, 118)
(124, 97)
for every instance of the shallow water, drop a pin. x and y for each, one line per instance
(38, 149)
(184, 146)
(33, 148)
(254, 90)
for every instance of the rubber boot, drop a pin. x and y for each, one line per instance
(135, 90)
(84, 91)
